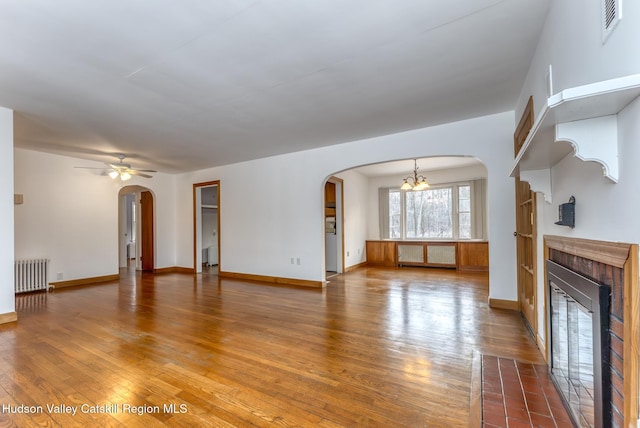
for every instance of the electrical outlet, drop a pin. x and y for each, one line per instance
(358, 250)
(59, 276)
(291, 260)
(298, 261)
(347, 253)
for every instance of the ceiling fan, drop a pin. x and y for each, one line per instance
(121, 169)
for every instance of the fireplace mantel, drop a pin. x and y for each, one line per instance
(610, 253)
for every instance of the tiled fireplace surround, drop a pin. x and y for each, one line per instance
(615, 265)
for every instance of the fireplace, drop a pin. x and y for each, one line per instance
(613, 268)
(579, 339)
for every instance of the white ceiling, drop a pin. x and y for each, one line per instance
(186, 85)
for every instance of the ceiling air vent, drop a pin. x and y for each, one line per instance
(611, 15)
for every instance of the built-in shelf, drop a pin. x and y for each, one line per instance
(585, 118)
(211, 207)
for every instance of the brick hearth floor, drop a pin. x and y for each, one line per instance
(516, 394)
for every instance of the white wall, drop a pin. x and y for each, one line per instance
(163, 187)
(7, 300)
(572, 44)
(209, 227)
(451, 175)
(71, 216)
(605, 210)
(263, 227)
(209, 216)
(126, 231)
(356, 216)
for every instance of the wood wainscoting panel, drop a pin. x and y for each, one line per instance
(382, 253)
(473, 256)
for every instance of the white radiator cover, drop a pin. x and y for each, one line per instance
(212, 255)
(436, 254)
(441, 254)
(410, 253)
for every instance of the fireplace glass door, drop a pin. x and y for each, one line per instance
(579, 332)
(572, 366)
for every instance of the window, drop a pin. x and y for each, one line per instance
(428, 214)
(435, 213)
(395, 214)
(464, 212)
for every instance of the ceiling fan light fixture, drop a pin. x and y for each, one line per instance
(122, 170)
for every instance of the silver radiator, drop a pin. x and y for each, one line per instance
(31, 275)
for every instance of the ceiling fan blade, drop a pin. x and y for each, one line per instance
(121, 168)
(118, 165)
(139, 174)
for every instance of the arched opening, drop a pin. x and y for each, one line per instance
(453, 209)
(136, 238)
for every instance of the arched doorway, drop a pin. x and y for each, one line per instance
(136, 240)
(457, 182)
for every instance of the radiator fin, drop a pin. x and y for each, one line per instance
(31, 275)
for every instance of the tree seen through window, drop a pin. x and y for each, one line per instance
(437, 213)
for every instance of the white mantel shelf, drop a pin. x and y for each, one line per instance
(585, 118)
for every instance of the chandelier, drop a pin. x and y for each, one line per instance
(417, 182)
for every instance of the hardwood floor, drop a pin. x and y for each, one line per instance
(377, 347)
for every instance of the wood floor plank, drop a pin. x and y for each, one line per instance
(376, 347)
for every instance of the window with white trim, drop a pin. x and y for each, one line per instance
(464, 212)
(442, 212)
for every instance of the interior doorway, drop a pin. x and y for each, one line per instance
(526, 232)
(206, 235)
(333, 227)
(147, 253)
(136, 238)
(128, 231)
